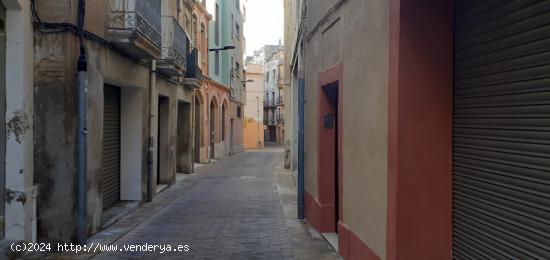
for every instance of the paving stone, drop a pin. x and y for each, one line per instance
(233, 210)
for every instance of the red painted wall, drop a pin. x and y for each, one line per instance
(420, 130)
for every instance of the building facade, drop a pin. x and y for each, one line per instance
(253, 126)
(141, 75)
(17, 186)
(425, 126)
(274, 94)
(227, 70)
(292, 18)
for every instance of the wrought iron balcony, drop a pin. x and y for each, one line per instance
(280, 101)
(270, 103)
(190, 4)
(135, 26)
(193, 66)
(193, 74)
(175, 46)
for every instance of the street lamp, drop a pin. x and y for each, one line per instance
(228, 47)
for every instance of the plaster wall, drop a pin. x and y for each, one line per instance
(235, 132)
(55, 123)
(292, 18)
(167, 144)
(253, 128)
(364, 109)
(220, 93)
(20, 193)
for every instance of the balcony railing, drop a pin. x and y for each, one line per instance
(174, 47)
(190, 4)
(193, 67)
(270, 103)
(280, 118)
(280, 100)
(136, 25)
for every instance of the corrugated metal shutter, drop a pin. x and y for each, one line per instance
(110, 181)
(501, 150)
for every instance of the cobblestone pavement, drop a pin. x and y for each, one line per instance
(242, 207)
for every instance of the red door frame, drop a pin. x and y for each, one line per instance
(321, 211)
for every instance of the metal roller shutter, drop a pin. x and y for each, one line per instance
(501, 134)
(110, 181)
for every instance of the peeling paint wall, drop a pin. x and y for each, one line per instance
(55, 128)
(19, 198)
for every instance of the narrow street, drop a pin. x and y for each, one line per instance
(242, 207)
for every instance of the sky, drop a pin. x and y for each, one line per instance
(264, 24)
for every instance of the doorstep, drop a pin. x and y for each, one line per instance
(332, 239)
(116, 212)
(161, 188)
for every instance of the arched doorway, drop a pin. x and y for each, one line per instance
(198, 128)
(223, 121)
(213, 108)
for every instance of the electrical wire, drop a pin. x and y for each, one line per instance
(50, 28)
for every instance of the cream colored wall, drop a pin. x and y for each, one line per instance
(357, 36)
(254, 103)
(366, 121)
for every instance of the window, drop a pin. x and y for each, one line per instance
(273, 75)
(231, 69)
(194, 34)
(223, 123)
(217, 63)
(232, 32)
(238, 29)
(267, 76)
(217, 25)
(238, 69)
(204, 43)
(239, 111)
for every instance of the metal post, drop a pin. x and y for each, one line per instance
(82, 149)
(82, 133)
(301, 99)
(151, 151)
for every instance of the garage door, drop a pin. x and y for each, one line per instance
(110, 182)
(501, 149)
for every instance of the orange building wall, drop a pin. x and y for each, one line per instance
(252, 132)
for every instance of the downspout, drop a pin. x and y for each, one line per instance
(301, 112)
(151, 150)
(192, 117)
(301, 121)
(82, 131)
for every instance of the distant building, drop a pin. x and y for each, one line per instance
(274, 95)
(224, 96)
(253, 131)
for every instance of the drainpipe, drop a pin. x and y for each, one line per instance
(151, 150)
(301, 114)
(192, 117)
(301, 101)
(82, 131)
